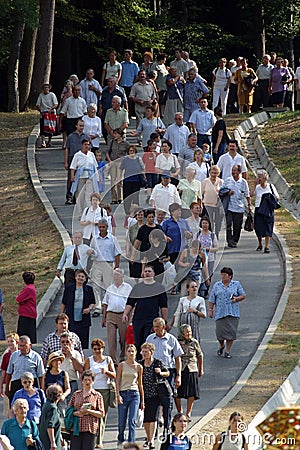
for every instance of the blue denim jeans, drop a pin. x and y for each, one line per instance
(131, 402)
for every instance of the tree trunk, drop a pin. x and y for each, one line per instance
(259, 32)
(13, 68)
(26, 65)
(43, 50)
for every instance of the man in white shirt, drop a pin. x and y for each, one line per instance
(231, 158)
(74, 108)
(177, 133)
(164, 194)
(113, 305)
(90, 89)
(74, 257)
(108, 252)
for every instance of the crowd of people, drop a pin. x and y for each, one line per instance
(194, 178)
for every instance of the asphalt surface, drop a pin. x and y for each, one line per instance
(261, 275)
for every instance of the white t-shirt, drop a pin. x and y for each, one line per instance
(221, 76)
(226, 162)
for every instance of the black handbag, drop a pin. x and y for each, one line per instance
(143, 181)
(276, 203)
(249, 222)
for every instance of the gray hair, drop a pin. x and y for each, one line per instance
(53, 392)
(117, 99)
(25, 338)
(103, 221)
(114, 79)
(77, 232)
(264, 173)
(121, 271)
(27, 376)
(93, 105)
(18, 403)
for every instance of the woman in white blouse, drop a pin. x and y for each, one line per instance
(92, 126)
(210, 191)
(167, 161)
(202, 167)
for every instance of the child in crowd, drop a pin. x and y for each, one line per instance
(101, 168)
(130, 220)
(110, 219)
(207, 153)
(156, 138)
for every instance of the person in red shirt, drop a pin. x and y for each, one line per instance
(27, 308)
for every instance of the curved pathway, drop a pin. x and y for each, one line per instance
(251, 268)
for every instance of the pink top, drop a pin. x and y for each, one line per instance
(149, 161)
(27, 302)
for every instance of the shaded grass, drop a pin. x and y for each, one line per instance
(28, 239)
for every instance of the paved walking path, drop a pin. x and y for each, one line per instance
(251, 268)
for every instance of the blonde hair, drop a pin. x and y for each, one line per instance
(149, 346)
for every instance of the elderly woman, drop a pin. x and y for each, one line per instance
(92, 126)
(177, 230)
(156, 391)
(192, 369)
(263, 225)
(34, 396)
(77, 302)
(84, 176)
(210, 245)
(280, 77)
(50, 427)
(46, 103)
(210, 190)
(189, 188)
(190, 309)
(20, 431)
(134, 169)
(245, 77)
(104, 370)
(55, 375)
(166, 161)
(201, 166)
(88, 406)
(27, 308)
(224, 309)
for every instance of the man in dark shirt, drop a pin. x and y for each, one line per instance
(148, 298)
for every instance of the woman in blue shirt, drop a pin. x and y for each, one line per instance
(224, 308)
(177, 440)
(35, 397)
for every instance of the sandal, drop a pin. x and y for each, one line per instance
(43, 144)
(220, 351)
(266, 250)
(259, 248)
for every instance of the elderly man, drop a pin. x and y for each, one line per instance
(164, 194)
(169, 351)
(108, 252)
(177, 133)
(52, 341)
(261, 93)
(73, 145)
(105, 102)
(113, 307)
(202, 122)
(74, 108)
(231, 158)
(90, 89)
(193, 91)
(148, 298)
(115, 117)
(74, 257)
(129, 75)
(186, 154)
(142, 94)
(23, 360)
(239, 190)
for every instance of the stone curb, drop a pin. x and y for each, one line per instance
(286, 259)
(47, 299)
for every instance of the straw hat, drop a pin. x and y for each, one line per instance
(55, 355)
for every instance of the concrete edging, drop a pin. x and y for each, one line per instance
(47, 299)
